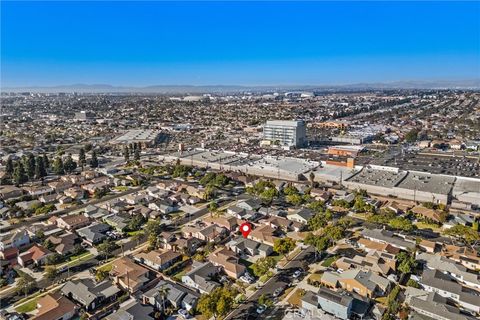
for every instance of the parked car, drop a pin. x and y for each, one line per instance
(297, 274)
(278, 292)
(184, 314)
(261, 308)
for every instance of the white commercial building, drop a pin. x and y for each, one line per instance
(285, 133)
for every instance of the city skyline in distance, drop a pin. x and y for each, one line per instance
(155, 44)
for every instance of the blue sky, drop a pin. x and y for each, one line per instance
(249, 43)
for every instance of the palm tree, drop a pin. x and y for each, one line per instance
(163, 291)
(312, 178)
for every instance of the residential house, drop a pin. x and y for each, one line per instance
(369, 245)
(320, 195)
(431, 215)
(250, 204)
(162, 206)
(36, 255)
(177, 296)
(187, 245)
(228, 261)
(283, 224)
(131, 309)
(159, 260)
(14, 239)
(376, 261)
(118, 221)
(229, 223)
(72, 222)
(208, 234)
(36, 191)
(264, 234)
(389, 237)
(245, 246)
(94, 212)
(75, 193)
(434, 306)
(10, 192)
(443, 284)
(64, 243)
(94, 233)
(90, 294)
(301, 215)
(201, 277)
(463, 255)
(335, 303)
(60, 185)
(454, 269)
(54, 307)
(129, 275)
(367, 284)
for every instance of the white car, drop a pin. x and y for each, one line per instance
(297, 274)
(184, 314)
(261, 309)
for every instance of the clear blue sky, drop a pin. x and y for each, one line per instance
(147, 43)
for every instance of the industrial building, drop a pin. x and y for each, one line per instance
(292, 169)
(147, 138)
(289, 134)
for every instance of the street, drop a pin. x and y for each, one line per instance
(247, 310)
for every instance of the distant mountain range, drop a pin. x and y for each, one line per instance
(192, 89)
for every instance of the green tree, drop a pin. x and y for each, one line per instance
(58, 167)
(9, 167)
(163, 292)
(40, 170)
(106, 248)
(283, 245)
(94, 160)
(25, 284)
(136, 154)
(30, 166)
(290, 190)
(82, 160)
(136, 223)
(412, 135)
(218, 303)
(126, 154)
(264, 300)
(262, 265)
(19, 175)
(101, 274)
(48, 245)
(401, 223)
(268, 195)
(209, 193)
(51, 273)
(46, 162)
(56, 258)
(294, 199)
(212, 206)
(69, 164)
(317, 221)
(312, 178)
(406, 262)
(467, 234)
(413, 283)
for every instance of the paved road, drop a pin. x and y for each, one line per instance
(247, 310)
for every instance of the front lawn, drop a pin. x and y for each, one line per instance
(27, 307)
(78, 256)
(296, 298)
(328, 262)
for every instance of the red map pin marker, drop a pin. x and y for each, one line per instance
(245, 229)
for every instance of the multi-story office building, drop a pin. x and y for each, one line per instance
(285, 133)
